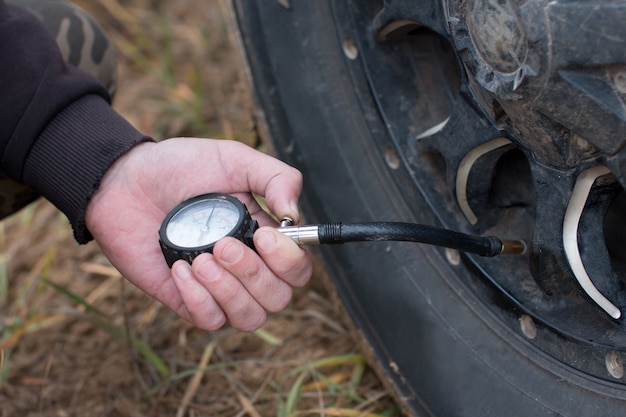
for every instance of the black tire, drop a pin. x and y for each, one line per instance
(453, 338)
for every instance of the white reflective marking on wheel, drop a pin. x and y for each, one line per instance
(433, 129)
(570, 237)
(462, 174)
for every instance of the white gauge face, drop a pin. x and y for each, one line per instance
(202, 222)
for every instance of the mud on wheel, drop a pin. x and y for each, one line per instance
(484, 116)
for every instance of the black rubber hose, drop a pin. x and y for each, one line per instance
(409, 232)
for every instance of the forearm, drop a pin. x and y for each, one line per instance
(74, 151)
(58, 133)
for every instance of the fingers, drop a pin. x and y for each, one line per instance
(278, 182)
(216, 296)
(284, 257)
(198, 306)
(237, 285)
(282, 193)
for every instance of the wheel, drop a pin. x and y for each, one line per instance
(487, 117)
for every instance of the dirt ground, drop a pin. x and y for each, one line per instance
(66, 314)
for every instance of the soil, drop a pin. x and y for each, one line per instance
(65, 312)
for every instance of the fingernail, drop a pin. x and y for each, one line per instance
(265, 240)
(182, 270)
(209, 270)
(232, 252)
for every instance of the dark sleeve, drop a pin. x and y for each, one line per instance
(58, 133)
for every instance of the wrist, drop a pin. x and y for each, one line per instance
(72, 154)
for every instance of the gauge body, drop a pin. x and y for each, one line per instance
(194, 226)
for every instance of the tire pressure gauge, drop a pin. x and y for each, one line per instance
(194, 226)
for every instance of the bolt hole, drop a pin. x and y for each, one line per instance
(527, 324)
(453, 256)
(392, 158)
(614, 365)
(349, 48)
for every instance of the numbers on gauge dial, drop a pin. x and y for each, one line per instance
(202, 223)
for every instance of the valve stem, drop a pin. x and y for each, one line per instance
(513, 247)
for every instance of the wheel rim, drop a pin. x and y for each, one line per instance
(484, 113)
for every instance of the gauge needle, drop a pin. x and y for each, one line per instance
(208, 221)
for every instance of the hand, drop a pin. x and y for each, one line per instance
(233, 284)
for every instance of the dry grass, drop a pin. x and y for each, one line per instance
(76, 339)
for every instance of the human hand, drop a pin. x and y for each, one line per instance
(233, 284)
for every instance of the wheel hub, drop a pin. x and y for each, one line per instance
(499, 39)
(498, 146)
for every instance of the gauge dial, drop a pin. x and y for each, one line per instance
(202, 222)
(194, 226)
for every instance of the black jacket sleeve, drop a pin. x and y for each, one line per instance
(58, 133)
